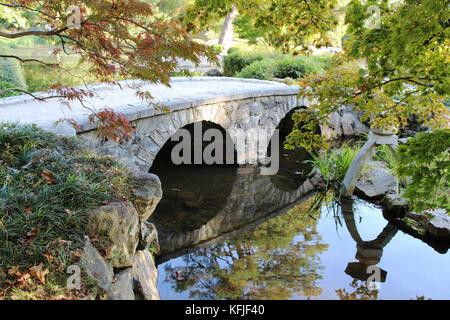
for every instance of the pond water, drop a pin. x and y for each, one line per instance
(293, 257)
(226, 232)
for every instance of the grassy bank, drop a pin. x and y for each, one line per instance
(47, 185)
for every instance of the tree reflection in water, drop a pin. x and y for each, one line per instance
(361, 292)
(279, 259)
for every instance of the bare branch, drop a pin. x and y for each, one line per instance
(32, 32)
(16, 6)
(29, 60)
(30, 94)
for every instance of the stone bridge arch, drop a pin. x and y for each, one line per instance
(234, 104)
(230, 102)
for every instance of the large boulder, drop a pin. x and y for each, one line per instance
(122, 286)
(145, 275)
(147, 194)
(376, 184)
(117, 226)
(96, 267)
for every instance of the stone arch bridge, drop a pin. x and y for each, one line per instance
(229, 102)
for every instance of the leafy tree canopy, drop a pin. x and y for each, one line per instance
(285, 23)
(117, 39)
(391, 70)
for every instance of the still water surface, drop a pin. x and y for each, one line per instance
(292, 257)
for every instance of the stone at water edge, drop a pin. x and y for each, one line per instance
(414, 225)
(148, 193)
(117, 226)
(145, 275)
(96, 267)
(148, 237)
(377, 184)
(439, 224)
(122, 288)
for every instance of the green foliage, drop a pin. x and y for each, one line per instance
(285, 24)
(426, 160)
(12, 73)
(217, 48)
(47, 185)
(384, 153)
(333, 164)
(11, 18)
(284, 67)
(391, 71)
(7, 85)
(168, 9)
(245, 28)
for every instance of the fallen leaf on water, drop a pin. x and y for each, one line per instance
(38, 272)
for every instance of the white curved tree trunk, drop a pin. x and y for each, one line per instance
(226, 37)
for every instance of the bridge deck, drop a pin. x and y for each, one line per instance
(184, 93)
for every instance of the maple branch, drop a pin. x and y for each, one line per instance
(16, 6)
(30, 94)
(29, 60)
(32, 32)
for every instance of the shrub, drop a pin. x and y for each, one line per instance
(240, 57)
(7, 85)
(11, 72)
(234, 62)
(284, 67)
(262, 70)
(426, 160)
(217, 48)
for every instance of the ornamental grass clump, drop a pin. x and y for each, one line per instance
(333, 164)
(47, 185)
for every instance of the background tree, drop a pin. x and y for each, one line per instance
(226, 36)
(285, 23)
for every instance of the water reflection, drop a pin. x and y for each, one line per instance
(268, 262)
(293, 256)
(368, 253)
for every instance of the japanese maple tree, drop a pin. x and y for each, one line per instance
(116, 38)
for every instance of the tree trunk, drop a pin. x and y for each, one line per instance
(226, 37)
